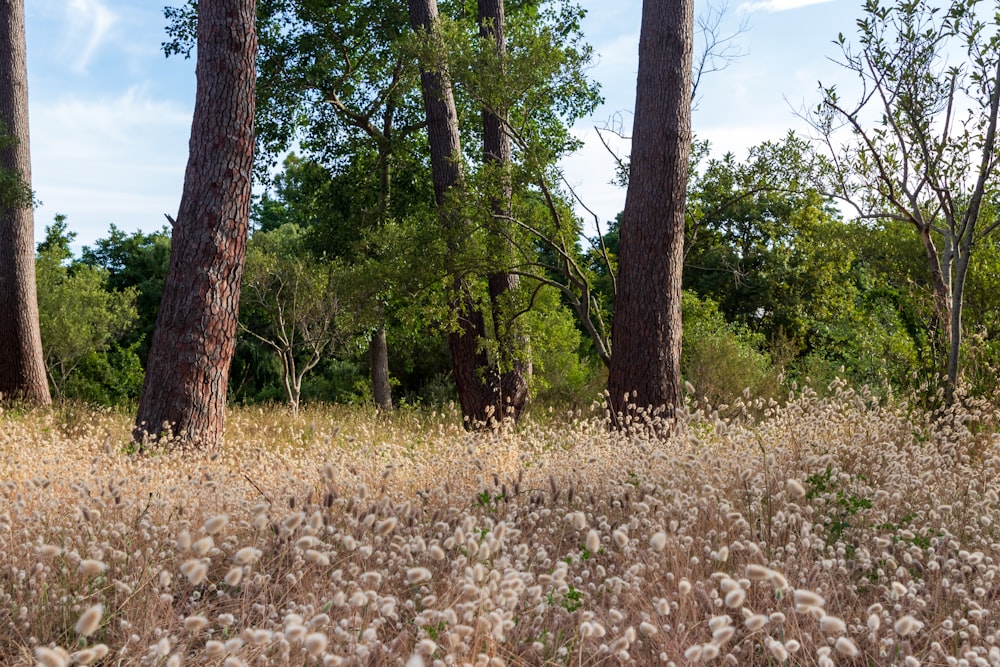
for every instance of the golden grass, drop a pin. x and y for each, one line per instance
(828, 531)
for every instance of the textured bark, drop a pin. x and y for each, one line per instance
(646, 333)
(22, 369)
(378, 354)
(470, 365)
(184, 393)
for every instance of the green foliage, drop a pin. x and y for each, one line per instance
(921, 148)
(136, 261)
(82, 321)
(722, 360)
(564, 370)
(289, 303)
(15, 193)
(842, 509)
(768, 250)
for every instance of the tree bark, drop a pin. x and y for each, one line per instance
(184, 394)
(470, 364)
(646, 332)
(378, 353)
(22, 369)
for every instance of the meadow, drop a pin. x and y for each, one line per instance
(835, 530)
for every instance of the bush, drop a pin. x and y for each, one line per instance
(722, 359)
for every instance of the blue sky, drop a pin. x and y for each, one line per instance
(110, 115)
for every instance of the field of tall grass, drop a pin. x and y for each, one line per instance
(843, 530)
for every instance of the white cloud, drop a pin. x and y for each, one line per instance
(88, 25)
(117, 158)
(778, 5)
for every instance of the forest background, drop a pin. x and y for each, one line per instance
(781, 283)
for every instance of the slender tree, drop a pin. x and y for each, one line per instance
(922, 144)
(188, 367)
(447, 176)
(510, 383)
(22, 369)
(646, 332)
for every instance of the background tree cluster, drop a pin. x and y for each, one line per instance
(418, 246)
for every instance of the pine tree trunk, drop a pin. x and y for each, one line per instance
(646, 333)
(22, 369)
(378, 354)
(185, 388)
(467, 360)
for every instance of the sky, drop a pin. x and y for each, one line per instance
(111, 116)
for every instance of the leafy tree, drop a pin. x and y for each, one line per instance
(772, 252)
(188, 365)
(22, 369)
(136, 261)
(646, 332)
(920, 143)
(290, 304)
(334, 78)
(81, 319)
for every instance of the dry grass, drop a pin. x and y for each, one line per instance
(828, 531)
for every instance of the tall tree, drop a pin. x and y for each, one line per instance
(467, 355)
(511, 385)
(646, 331)
(922, 139)
(185, 389)
(22, 369)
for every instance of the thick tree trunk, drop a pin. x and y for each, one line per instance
(22, 369)
(509, 390)
(378, 354)
(646, 333)
(469, 362)
(185, 388)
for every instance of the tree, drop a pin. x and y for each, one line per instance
(184, 395)
(514, 353)
(341, 86)
(921, 144)
(136, 261)
(468, 357)
(289, 303)
(80, 318)
(22, 369)
(646, 331)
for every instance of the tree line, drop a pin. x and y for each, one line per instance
(420, 233)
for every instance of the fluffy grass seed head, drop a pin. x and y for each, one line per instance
(734, 598)
(593, 541)
(907, 625)
(418, 575)
(386, 526)
(658, 542)
(807, 598)
(246, 555)
(195, 624)
(315, 643)
(91, 567)
(90, 620)
(49, 657)
(795, 489)
(216, 523)
(195, 570)
(831, 625)
(234, 576)
(846, 647)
